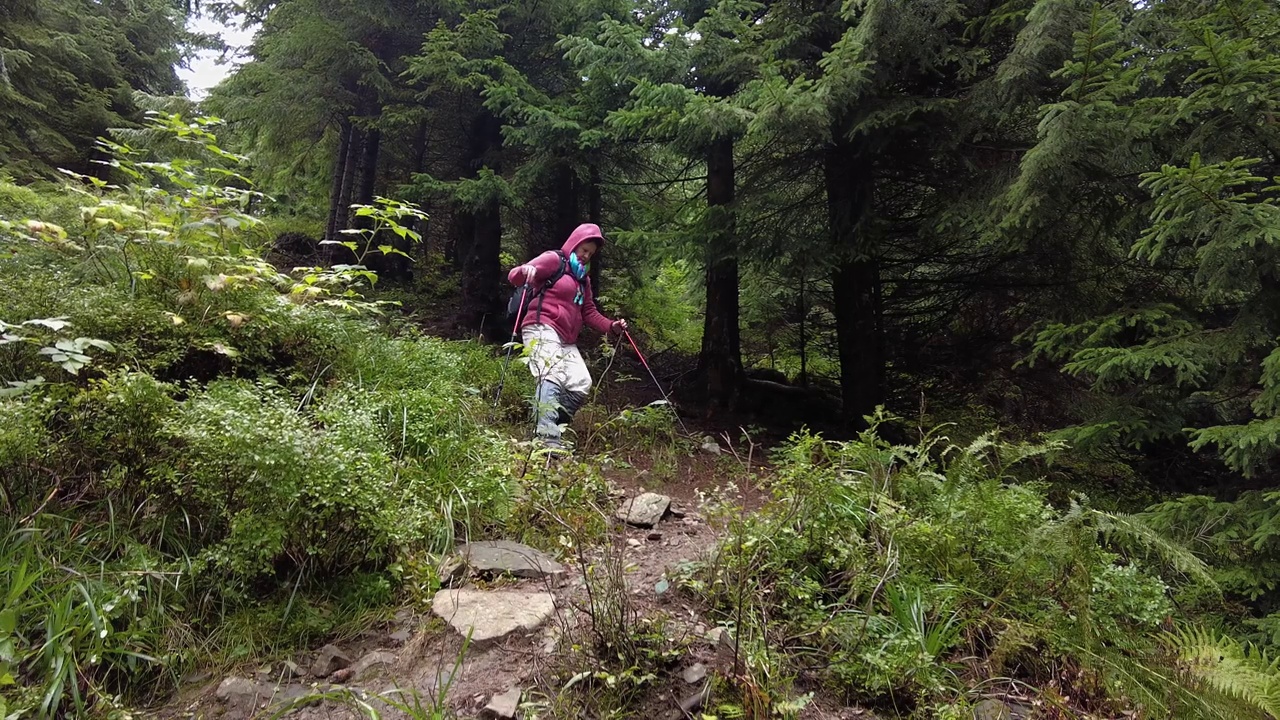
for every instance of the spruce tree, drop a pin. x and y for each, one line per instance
(1166, 121)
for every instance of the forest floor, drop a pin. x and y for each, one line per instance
(412, 664)
(415, 654)
(413, 657)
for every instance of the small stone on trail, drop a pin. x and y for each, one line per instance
(993, 710)
(509, 557)
(694, 674)
(442, 678)
(711, 447)
(644, 510)
(550, 639)
(492, 615)
(655, 536)
(196, 677)
(294, 692)
(340, 676)
(329, 659)
(633, 542)
(291, 669)
(675, 512)
(239, 691)
(723, 640)
(401, 636)
(372, 660)
(504, 706)
(451, 570)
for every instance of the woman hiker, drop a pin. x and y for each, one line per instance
(551, 325)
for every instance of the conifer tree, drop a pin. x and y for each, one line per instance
(1167, 123)
(68, 71)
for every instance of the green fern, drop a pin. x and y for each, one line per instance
(1224, 665)
(1133, 531)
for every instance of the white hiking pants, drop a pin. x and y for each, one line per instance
(553, 361)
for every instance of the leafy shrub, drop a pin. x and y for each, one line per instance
(41, 201)
(22, 433)
(918, 573)
(219, 456)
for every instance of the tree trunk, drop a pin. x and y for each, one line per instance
(567, 214)
(481, 275)
(342, 212)
(721, 357)
(803, 379)
(339, 172)
(420, 147)
(595, 211)
(595, 202)
(855, 281)
(369, 166)
(481, 269)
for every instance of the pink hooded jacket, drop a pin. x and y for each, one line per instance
(557, 306)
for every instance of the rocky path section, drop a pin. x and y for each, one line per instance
(515, 603)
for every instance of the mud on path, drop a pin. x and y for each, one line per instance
(415, 662)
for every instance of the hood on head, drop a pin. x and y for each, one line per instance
(583, 233)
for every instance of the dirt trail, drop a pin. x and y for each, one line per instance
(414, 659)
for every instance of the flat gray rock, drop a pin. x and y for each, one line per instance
(504, 706)
(240, 691)
(377, 658)
(329, 660)
(512, 558)
(644, 510)
(992, 710)
(694, 674)
(490, 615)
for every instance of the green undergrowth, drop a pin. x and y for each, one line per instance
(918, 579)
(205, 459)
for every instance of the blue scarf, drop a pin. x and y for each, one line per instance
(579, 271)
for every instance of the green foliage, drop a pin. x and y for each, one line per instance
(211, 435)
(1236, 670)
(86, 611)
(892, 563)
(69, 71)
(1238, 538)
(1184, 357)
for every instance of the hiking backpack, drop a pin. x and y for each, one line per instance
(516, 309)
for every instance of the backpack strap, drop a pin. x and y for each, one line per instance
(555, 278)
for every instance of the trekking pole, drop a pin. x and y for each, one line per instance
(515, 329)
(654, 378)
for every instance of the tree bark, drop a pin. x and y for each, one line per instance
(721, 357)
(595, 202)
(567, 213)
(595, 213)
(342, 213)
(369, 166)
(339, 172)
(803, 379)
(481, 269)
(855, 280)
